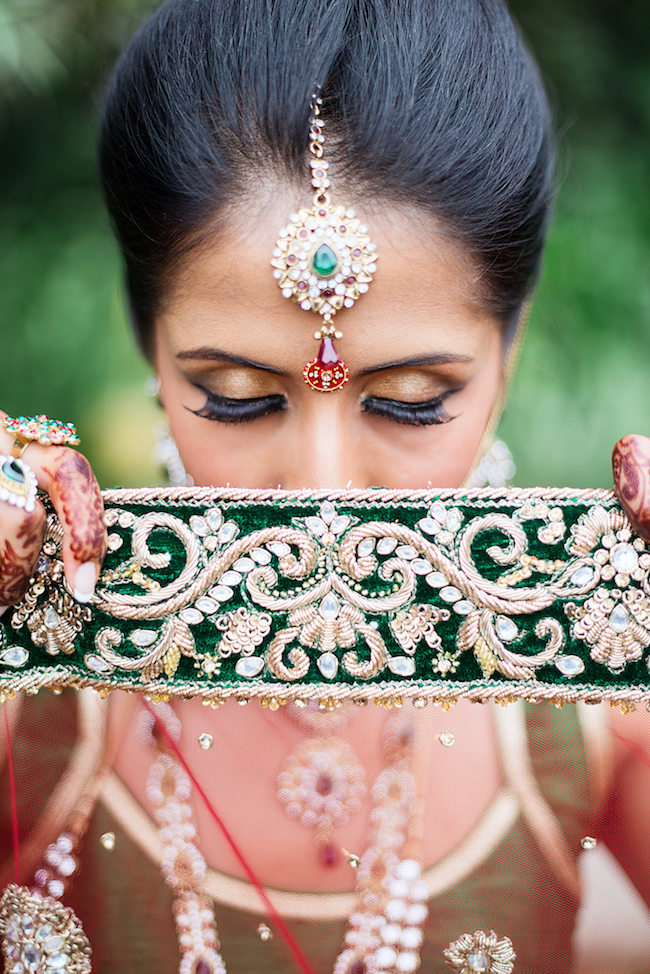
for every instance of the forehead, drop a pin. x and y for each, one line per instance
(425, 288)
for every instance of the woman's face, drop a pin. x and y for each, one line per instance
(425, 365)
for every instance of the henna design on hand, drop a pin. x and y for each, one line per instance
(82, 508)
(17, 561)
(631, 467)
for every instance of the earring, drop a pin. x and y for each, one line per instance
(324, 260)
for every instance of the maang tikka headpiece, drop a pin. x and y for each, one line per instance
(324, 260)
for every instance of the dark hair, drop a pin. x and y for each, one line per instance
(435, 104)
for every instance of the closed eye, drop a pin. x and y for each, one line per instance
(221, 409)
(431, 412)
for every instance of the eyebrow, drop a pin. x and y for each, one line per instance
(440, 358)
(208, 354)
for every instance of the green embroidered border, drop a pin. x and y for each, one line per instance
(362, 594)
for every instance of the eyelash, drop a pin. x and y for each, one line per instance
(429, 413)
(220, 409)
(223, 410)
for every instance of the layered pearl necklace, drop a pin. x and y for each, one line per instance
(384, 932)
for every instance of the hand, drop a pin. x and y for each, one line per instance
(631, 466)
(67, 477)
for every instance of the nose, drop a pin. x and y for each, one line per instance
(324, 450)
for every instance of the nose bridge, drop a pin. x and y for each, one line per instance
(322, 452)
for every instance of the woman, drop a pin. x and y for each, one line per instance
(436, 130)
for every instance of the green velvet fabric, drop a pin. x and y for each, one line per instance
(467, 579)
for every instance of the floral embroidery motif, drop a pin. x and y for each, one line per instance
(334, 596)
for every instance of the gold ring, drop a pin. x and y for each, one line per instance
(38, 429)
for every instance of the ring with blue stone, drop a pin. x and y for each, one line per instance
(18, 484)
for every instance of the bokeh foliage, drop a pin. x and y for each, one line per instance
(65, 346)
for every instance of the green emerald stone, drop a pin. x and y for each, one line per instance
(325, 261)
(12, 471)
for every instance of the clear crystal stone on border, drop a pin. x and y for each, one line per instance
(569, 665)
(14, 656)
(249, 666)
(328, 664)
(401, 666)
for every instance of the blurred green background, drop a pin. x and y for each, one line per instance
(584, 377)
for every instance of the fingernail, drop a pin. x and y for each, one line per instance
(84, 583)
(3, 609)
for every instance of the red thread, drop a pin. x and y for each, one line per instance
(635, 748)
(12, 789)
(277, 919)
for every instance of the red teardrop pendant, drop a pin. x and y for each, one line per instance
(327, 372)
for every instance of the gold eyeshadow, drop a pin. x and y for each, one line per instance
(236, 382)
(409, 385)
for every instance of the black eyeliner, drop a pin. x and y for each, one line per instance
(221, 409)
(429, 413)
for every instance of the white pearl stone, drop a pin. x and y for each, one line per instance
(207, 605)
(416, 914)
(438, 511)
(411, 938)
(408, 869)
(407, 962)
(399, 889)
(385, 957)
(228, 532)
(390, 933)
(419, 892)
(395, 910)
(477, 962)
